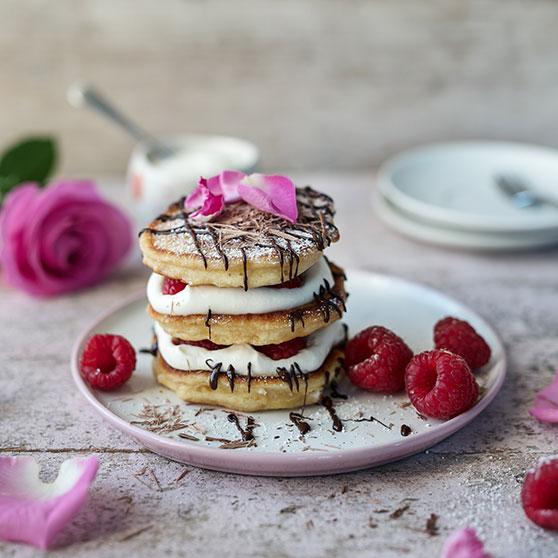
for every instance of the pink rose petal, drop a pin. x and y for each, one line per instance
(270, 193)
(464, 543)
(207, 198)
(545, 407)
(34, 512)
(229, 181)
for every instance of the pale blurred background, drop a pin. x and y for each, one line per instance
(315, 84)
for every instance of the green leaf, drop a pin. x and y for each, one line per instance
(30, 160)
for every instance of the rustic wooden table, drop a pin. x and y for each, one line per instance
(471, 479)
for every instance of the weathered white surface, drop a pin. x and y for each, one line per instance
(330, 84)
(473, 478)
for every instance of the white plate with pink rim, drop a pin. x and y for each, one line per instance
(166, 425)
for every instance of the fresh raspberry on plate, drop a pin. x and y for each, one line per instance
(172, 286)
(107, 361)
(459, 337)
(294, 283)
(376, 359)
(282, 350)
(203, 343)
(440, 384)
(539, 495)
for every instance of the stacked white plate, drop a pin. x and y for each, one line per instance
(447, 194)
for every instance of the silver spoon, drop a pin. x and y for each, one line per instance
(79, 95)
(521, 193)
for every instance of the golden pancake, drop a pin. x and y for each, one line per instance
(242, 246)
(255, 394)
(261, 329)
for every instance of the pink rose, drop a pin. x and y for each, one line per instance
(60, 238)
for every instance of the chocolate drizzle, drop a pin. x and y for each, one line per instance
(370, 419)
(292, 375)
(298, 420)
(328, 404)
(333, 387)
(296, 316)
(215, 369)
(195, 239)
(208, 323)
(245, 433)
(222, 254)
(244, 269)
(231, 374)
(249, 375)
(328, 300)
(150, 350)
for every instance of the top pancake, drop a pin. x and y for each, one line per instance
(242, 246)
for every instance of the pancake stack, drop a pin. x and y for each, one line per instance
(247, 310)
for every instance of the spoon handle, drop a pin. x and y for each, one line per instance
(80, 95)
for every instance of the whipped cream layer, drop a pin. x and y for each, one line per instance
(199, 299)
(189, 357)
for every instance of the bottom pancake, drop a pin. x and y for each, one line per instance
(260, 393)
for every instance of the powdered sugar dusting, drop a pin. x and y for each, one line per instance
(242, 231)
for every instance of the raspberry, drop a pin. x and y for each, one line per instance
(204, 344)
(283, 350)
(539, 494)
(440, 384)
(172, 286)
(107, 361)
(376, 360)
(294, 283)
(460, 338)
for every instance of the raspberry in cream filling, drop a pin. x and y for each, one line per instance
(275, 351)
(186, 356)
(199, 299)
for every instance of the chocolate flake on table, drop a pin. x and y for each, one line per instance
(242, 231)
(289, 509)
(406, 430)
(396, 514)
(298, 420)
(328, 404)
(184, 472)
(160, 421)
(135, 533)
(432, 525)
(139, 475)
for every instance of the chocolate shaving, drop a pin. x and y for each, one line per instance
(236, 444)
(399, 512)
(432, 525)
